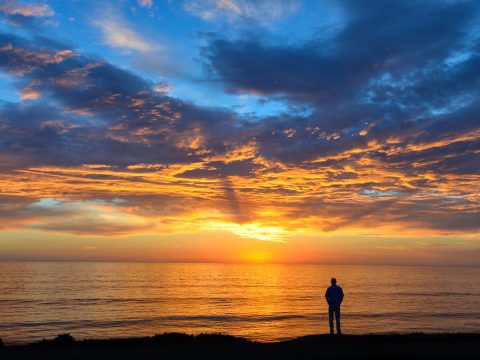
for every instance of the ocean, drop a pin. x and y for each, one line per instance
(259, 302)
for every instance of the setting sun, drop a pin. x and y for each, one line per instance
(258, 257)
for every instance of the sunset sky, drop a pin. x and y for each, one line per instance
(240, 131)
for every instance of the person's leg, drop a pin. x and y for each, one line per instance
(330, 319)
(337, 318)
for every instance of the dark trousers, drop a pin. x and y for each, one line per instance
(334, 310)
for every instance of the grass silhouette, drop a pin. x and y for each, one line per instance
(220, 346)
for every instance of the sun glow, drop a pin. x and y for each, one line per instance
(258, 257)
(252, 231)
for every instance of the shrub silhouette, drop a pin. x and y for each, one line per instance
(213, 338)
(64, 339)
(172, 338)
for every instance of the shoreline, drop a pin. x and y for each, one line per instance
(213, 346)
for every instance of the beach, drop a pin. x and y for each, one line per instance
(182, 346)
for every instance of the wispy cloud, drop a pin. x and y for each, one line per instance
(260, 11)
(145, 3)
(119, 34)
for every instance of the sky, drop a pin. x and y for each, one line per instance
(294, 131)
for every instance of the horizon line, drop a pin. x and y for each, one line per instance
(232, 263)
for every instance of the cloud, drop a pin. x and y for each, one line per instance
(20, 60)
(391, 144)
(12, 7)
(358, 59)
(162, 87)
(118, 34)
(414, 79)
(261, 11)
(99, 110)
(80, 217)
(145, 3)
(411, 69)
(219, 169)
(151, 55)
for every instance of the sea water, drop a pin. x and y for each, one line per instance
(259, 302)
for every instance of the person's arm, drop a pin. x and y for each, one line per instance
(341, 295)
(327, 297)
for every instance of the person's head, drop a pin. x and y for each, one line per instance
(333, 281)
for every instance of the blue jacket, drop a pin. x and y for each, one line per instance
(334, 296)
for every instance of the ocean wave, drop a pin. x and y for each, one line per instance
(110, 301)
(412, 315)
(179, 318)
(205, 320)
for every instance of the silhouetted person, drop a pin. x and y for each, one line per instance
(334, 296)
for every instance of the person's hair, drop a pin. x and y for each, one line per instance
(333, 281)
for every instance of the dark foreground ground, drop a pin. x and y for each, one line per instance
(181, 346)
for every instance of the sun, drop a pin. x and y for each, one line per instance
(258, 257)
